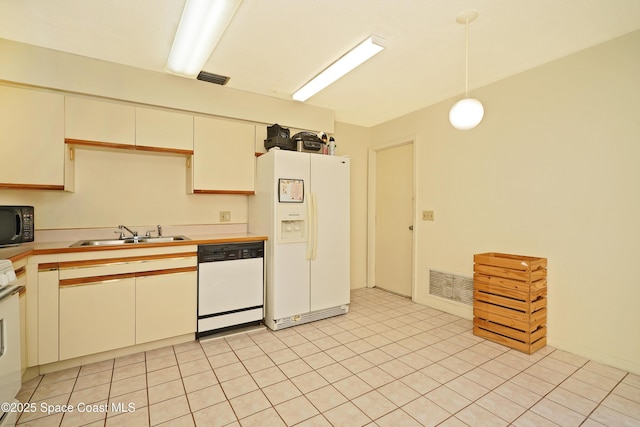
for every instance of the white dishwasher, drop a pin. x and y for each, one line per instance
(230, 286)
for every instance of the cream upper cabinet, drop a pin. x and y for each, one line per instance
(164, 129)
(261, 135)
(99, 121)
(223, 156)
(32, 132)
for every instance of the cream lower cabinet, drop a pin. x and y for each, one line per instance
(47, 319)
(165, 306)
(96, 317)
(88, 306)
(23, 331)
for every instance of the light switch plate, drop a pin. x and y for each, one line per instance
(428, 216)
(225, 216)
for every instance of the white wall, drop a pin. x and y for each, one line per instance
(124, 187)
(552, 171)
(353, 141)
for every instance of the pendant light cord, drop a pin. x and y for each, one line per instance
(466, 59)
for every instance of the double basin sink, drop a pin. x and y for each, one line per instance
(128, 241)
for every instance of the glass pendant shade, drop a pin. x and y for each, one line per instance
(466, 114)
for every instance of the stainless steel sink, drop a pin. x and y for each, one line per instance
(128, 241)
(162, 239)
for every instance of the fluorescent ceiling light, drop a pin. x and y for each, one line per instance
(202, 24)
(342, 66)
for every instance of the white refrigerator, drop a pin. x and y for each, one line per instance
(302, 204)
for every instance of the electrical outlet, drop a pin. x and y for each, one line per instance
(225, 216)
(428, 216)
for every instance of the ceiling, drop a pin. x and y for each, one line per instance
(273, 47)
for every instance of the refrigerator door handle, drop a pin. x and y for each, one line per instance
(315, 226)
(309, 254)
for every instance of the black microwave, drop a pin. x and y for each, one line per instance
(16, 225)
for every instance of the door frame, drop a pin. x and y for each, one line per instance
(371, 210)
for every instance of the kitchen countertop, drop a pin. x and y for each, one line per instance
(15, 253)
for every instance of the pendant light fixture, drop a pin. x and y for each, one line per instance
(468, 112)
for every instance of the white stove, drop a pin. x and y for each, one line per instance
(10, 379)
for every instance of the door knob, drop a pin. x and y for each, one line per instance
(411, 227)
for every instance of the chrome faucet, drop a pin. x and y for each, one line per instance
(159, 231)
(133, 233)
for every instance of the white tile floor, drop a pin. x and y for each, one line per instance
(388, 362)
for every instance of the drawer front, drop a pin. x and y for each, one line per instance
(107, 267)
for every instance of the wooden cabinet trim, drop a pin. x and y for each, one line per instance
(21, 271)
(110, 277)
(122, 260)
(48, 266)
(31, 186)
(242, 192)
(165, 150)
(94, 279)
(167, 271)
(116, 146)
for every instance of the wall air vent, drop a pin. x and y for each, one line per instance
(451, 286)
(213, 78)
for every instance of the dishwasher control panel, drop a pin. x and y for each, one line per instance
(230, 251)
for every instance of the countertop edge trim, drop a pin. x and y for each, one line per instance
(62, 250)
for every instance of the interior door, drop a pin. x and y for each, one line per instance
(394, 219)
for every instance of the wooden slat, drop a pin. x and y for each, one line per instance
(510, 303)
(516, 285)
(507, 273)
(511, 318)
(502, 320)
(515, 344)
(538, 344)
(515, 334)
(514, 262)
(485, 288)
(538, 304)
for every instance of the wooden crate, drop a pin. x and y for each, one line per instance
(510, 300)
